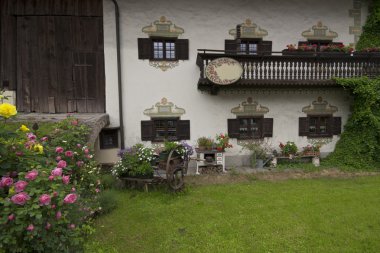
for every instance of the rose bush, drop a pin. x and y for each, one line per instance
(48, 188)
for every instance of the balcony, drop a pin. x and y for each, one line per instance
(273, 69)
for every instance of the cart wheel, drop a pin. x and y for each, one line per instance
(176, 181)
(175, 171)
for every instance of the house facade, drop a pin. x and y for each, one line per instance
(192, 68)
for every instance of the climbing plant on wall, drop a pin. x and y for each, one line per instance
(359, 145)
(371, 30)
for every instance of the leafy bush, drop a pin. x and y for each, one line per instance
(48, 188)
(107, 201)
(370, 37)
(359, 144)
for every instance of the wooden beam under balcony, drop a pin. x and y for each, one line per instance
(273, 69)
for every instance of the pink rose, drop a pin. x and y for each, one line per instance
(72, 226)
(44, 138)
(62, 164)
(58, 215)
(31, 175)
(44, 200)
(20, 186)
(69, 153)
(30, 227)
(55, 194)
(53, 206)
(6, 182)
(97, 190)
(80, 163)
(48, 226)
(31, 136)
(70, 198)
(58, 150)
(86, 151)
(19, 153)
(51, 178)
(65, 179)
(79, 145)
(57, 172)
(58, 158)
(73, 189)
(20, 198)
(11, 217)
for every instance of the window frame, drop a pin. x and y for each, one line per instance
(114, 135)
(166, 120)
(250, 136)
(318, 134)
(164, 42)
(247, 44)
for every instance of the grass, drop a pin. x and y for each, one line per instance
(318, 215)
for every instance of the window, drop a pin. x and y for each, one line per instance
(163, 49)
(109, 138)
(248, 47)
(161, 129)
(250, 128)
(252, 47)
(319, 126)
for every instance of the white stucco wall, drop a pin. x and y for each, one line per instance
(206, 25)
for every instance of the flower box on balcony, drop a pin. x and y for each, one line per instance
(297, 52)
(334, 54)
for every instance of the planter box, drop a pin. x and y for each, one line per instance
(334, 54)
(298, 53)
(367, 54)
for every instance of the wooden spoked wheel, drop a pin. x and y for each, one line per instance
(175, 170)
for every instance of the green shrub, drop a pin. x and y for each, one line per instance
(371, 31)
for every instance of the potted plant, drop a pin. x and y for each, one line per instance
(311, 150)
(260, 151)
(222, 142)
(168, 146)
(289, 149)
(303, 49)
(205, 143)
(335, 50)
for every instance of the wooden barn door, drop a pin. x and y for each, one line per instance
(60, 64)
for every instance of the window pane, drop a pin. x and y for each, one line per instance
(170, 50)
(252, 48)
(165, 129)
(323, 125)
(243, 47)
(313, 125)
(158, 50)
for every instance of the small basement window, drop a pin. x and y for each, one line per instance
(109, 138)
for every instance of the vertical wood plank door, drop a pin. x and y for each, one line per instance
(60, 64)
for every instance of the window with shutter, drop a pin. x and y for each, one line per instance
(161, 129)
(319, 126)
(163, 49)
(183, 130)
(264, 47)
(230, 46)
(244, 128)
(147, 130)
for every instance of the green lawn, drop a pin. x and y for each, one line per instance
(316, 215)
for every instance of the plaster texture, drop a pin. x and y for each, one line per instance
(206, 25)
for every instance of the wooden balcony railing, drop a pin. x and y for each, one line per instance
(275, 69)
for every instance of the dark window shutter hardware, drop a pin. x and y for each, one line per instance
(233, 128)
(303, 126)
(183, 130)
(147, 133)
(268, 127)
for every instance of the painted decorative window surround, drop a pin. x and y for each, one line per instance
(163, 49)
(319, 121)
(250, 122)
(165, 123)
(248, 39)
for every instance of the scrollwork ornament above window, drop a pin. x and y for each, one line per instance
(164, 109)
(250, 108)
(249, 30)
(320, 107)
(319, 32)
(163, 28)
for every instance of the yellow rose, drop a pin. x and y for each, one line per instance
(39, 148)
(7, 110)
(24, 128)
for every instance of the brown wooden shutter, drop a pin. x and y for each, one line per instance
(268, 127)
(183, 130)
(144, 48)
(264, 47)
(336, 125)
(303, 126)
(147, 130)
(230, 46)
(182, 49)
(233, 128)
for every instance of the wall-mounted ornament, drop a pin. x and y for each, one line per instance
(320, 107)
(250, 108)
(319, 32)
(163, 28)
(164, 109)
(249, 30)
(224, 71)
(163, 65)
